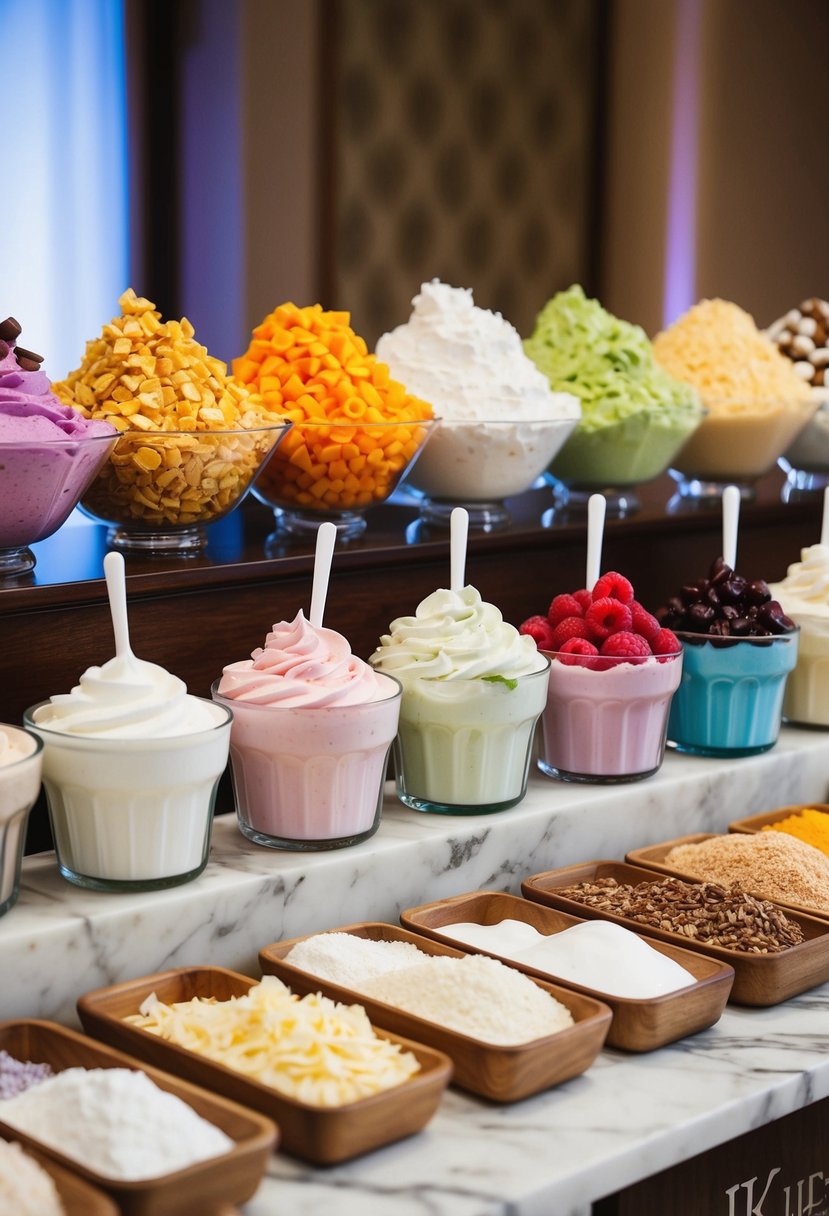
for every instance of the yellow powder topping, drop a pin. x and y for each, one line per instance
(809, 825)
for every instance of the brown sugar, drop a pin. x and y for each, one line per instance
(773, 865)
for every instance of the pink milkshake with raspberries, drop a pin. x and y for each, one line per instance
(312, 728)
(613, 673)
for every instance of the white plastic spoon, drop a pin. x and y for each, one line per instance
(326, 537)
(730, 523)
(596, 510)
(824, 531)
(116, 580)
(458, 533)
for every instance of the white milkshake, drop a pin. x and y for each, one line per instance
(21, 756)
(804, 596)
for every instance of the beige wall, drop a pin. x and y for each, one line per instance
(763, 176)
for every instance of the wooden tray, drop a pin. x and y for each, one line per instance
(638, 1024)
(755, 823)
(79, 1198)
(206, 1187)
(652, 857)
(502, 1074)
(759, 979)
(324, 1135)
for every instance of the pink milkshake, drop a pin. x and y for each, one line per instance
(613, 672)
(312, 728)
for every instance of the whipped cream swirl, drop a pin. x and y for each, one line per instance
(126, 698)
(469, 362)
(303, 665)
(805, 589)
(455, 635)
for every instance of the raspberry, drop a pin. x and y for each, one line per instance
(540, 629)
(643, 623)
(570, 627)
(583, 597)
(666, 642)
(562, 606)
(625, 645)
(613, 586)
(606, 616)
(577, 653)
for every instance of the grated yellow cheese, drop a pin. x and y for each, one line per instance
(717, 347)
(313, 1049)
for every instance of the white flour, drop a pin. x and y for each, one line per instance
(116, 1122)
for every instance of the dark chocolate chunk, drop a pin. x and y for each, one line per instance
(10, 329)
(4, 349)
(28, 365)
(22, 353)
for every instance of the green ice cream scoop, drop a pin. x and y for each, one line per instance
(635, 417)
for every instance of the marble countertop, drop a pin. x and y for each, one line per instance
(628, 1117)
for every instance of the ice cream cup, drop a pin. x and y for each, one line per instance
(310, 777)
(806, 701)
(19, 787)
(606, 719)
(730, 698)
(132, 814)
(464, 746)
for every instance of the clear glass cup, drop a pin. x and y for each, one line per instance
(310, 778)
(806, 700)
(19, 788)
(730, 698)
(132, 814)
(606, 719)
(159, 489)
(464, 746)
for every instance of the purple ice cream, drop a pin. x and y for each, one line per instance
(49, 452)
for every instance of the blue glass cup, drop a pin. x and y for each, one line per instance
(730, 698)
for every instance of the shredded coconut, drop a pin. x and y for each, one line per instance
(773, 865)
(116, 1122)
(314, 1049)
(474, 995)
(25, 1187)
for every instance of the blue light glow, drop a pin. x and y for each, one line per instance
(64, 213)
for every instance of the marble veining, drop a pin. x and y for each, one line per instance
(551, 1155)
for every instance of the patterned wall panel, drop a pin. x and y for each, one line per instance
(463, 146)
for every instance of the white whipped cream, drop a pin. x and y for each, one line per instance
(468, 362)
(13, 748)
(126, 698)
(455, 635)
(805, 589)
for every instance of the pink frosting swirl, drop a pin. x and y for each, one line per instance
(302, 665)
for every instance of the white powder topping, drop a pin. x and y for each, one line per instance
(25, 1187)
(474, 995)
(351, 959)
(116, 1122)
(597, 954)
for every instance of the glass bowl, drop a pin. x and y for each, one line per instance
(736, 443)
(613, 457)
(159, 489)
(336, 470)
(40, 487)
(477, 464)
(806, 461)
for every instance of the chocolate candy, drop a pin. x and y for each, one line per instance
(4, 349)
(725, 605)
(10, 329)
(27, 360)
